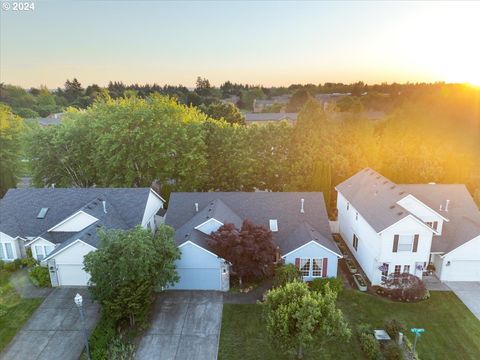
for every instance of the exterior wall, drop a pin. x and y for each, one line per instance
(40, 242)
(74, 254)
(407, 226)
(369, 242)
(313, 250)
(209, 226)
(76, 223)
(69, 265)
(154, 203)
(200, 269)
(6, 239)
(421, 210)
(464, 263)
(438, 263)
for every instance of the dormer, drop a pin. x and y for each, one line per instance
(425, 213)
(75, 223)
(209, 226)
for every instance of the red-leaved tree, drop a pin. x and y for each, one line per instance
(250, 250)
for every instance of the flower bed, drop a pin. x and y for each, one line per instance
(360, 281)
(351, 266)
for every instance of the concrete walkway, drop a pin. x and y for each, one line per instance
(54, 331)
(432, 283)
(469, 293)
(186, 326)
(25, 288)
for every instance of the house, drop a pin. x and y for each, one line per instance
(60, 225)
(260, 105)
(264, 118)
(298, 221)
(392, 228)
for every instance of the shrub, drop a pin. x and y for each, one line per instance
(285, 274)
(2, 264)
(370, 346)
(393, 327)
(40, 276)
(392, 351)
(404, 287)
(364, 329)
(121, 349)
(29, 262)
(336, 285)
(101, 337)
(11, 266)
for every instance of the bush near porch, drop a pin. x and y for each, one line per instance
(451, 329)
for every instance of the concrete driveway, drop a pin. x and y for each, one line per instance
(186, 326)
(54, 331)
(469, 293)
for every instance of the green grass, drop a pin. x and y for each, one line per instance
(14, 311)
(451, 330)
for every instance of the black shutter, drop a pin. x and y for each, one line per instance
(395, 243)
(415, 242)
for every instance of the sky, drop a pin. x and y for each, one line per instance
(273, 43)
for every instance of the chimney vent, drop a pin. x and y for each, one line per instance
(53, 185)
(441, 207)
(196, 207)
(302, 204)
(104, 206)
(446, 205)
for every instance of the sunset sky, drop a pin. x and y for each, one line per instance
(269, 43)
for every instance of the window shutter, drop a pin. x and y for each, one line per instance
(415, 242)
(297, 263)
(396, 238)
(324, 267)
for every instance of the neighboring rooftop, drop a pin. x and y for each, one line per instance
(258, 207)
(254, 117)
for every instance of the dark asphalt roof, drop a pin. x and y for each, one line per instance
(259, 207)
(375, 198)
(463, 213)
(270, 116)
(19, 209)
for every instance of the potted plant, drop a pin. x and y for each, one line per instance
(360, 281)
(351, 266)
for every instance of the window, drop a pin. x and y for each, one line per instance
(405, 243)
(273, 225)
(406, 269)
(317, 267)
(42, 213)
(356, 216)
(355, 242)
(305, 267)
(398, 269)
(433, 224)
(2, 253)
(39, 252)
(9, 250)
(384, 271)
(348, 206)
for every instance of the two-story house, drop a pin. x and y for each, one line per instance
(393, 228)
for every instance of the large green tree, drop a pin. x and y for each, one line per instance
(126, 269)
(224, 111)
(11, 127)
(298, 319)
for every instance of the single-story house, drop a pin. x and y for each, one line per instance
(403, 228)
(298, 222)
(265, 118)
(60, 225)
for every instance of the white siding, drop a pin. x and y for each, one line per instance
(4, 240)
(77, 222)
(464, 263)
(70, 264)
(44, 244)
(154, 203)
(209, 226)
(422, 211)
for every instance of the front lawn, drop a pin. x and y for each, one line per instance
(14, 311)
(451, 330)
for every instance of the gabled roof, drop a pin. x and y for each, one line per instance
(375, 198)
(259, 207)
(305, 233)
(19, 207)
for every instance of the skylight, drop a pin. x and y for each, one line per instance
(42, 213)
(273, 225)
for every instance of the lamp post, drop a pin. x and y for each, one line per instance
(417, 333)
(79, 302)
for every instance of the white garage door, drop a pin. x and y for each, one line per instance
(464, 270)
(72, 275)
(198, 279)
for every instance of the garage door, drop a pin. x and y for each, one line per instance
(464, 270)
(72, 275)
(198, 279)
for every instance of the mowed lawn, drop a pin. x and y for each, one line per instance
(14, 311)
(451, 330)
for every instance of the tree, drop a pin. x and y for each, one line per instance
(203, 87)
(73, 91)
(126, 269)
(298, 100)
(298, 318)
(227, 112)
(250, 250)
(11, 127)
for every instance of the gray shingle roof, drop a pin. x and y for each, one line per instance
(270, 116)
(19, 209)
(375, 198)
(259, 207)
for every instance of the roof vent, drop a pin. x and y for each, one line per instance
(385, 182)
(42, 213)
(401, 193)
(392, 187)
(273, 225)
(400, 213)
(392, 207)
(447, 203)
(104, 206)
(302, 208)
(196, 207)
